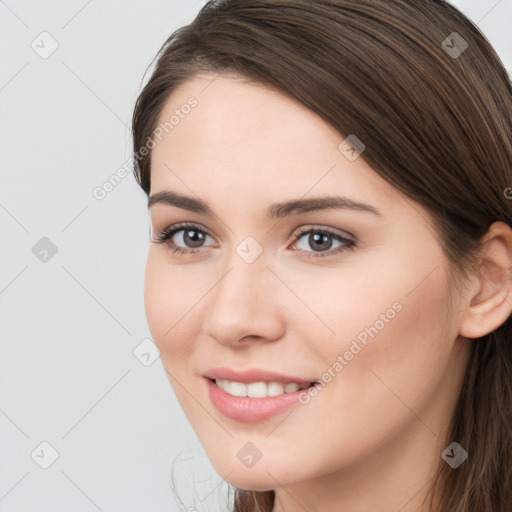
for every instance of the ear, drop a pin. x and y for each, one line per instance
(490, 298)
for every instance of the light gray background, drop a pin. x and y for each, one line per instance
(70, 325)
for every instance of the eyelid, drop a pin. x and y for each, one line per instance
(321, 228)
(178, 226)
(294, 236)
(347, 244)
(172, 229)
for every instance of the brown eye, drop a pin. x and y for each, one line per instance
(188, 238)
(321, 243)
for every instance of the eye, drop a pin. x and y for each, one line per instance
(192, 238)
(321, 240)
(190, 235)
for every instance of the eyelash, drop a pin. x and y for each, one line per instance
(168, 233)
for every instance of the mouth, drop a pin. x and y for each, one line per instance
(260, 389)
(252, 402)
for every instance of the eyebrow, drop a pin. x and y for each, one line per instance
(275, 211)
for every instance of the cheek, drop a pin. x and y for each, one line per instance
(396, 349)
(391, 345)
(157, 294)
(168, 307)
(389, 304)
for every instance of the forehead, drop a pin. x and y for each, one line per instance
(253, 141)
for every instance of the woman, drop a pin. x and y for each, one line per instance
(329, 278)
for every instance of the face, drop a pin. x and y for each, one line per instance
(352, 297)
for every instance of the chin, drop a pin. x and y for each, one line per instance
(251, 483)
(254, 478)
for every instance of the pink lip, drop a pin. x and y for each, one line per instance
(253, 375)
(247, 409)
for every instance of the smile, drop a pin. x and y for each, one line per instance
(259, 389)
(272, 398)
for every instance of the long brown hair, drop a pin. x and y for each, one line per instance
(420, 85)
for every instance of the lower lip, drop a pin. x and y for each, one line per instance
(247, 409)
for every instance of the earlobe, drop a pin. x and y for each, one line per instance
(491, 304)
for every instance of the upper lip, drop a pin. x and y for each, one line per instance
(253, 375)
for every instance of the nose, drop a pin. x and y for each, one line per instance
(244, 306)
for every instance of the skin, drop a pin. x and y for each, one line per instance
(371, 439)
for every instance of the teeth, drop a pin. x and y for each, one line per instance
(291, 388)
(258, 389)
